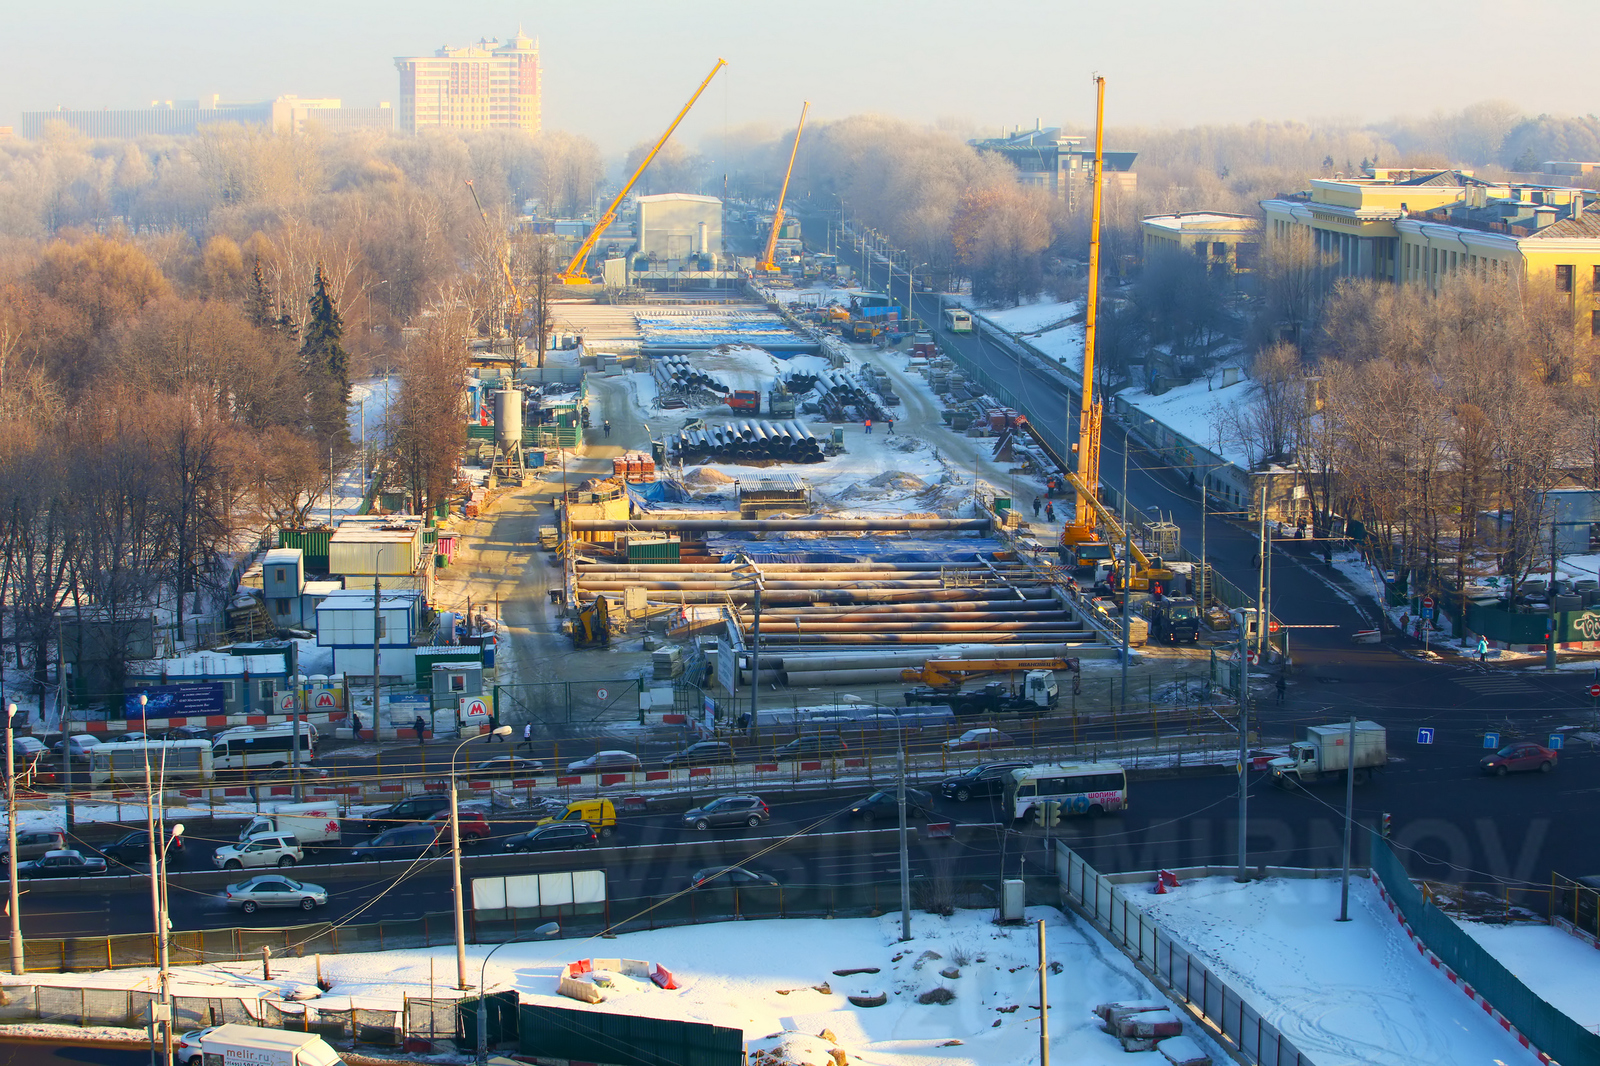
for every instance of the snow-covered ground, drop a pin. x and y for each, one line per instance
(1063, 344)
(1200, 411)
(1350, 993)
(775, 977)
(1561, 969)
(1034, 317)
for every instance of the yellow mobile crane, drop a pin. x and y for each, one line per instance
(1085, 476)
(505, 268)
(574, 274)
(766, 264)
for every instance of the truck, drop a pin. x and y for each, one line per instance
(249, 1045)
(311, 823)
(1325, 754)
(780, 402)
(745, 400)
(994, 698)
(1174, 619)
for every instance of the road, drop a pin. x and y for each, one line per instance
(29, 1053)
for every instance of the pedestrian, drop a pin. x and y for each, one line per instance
(869, 427)
(890, 431)
(1483, 649)
(421, 727)
(1405, 621)
(1036, 504)
(608, 427)
(1049, 512)
(527, 736)
(1283, 687)
(355, 726)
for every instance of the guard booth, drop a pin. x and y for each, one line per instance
(453, 682)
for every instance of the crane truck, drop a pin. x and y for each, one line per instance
(765, 264)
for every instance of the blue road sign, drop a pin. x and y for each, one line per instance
(1427, 612)
(1555, 741)
(1425, 735)
(1491, 740)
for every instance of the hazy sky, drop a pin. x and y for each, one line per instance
(618, 70)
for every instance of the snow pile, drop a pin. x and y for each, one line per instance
(1561, 969)
(1034, 317)
(1344, 993)
(787, 984)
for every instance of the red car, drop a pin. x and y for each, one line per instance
(1523, 755)
(474, 827)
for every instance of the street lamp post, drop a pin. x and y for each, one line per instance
(455, 860)
(163, 932)
(548, 929)
(748, 571)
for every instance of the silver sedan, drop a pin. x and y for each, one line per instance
(274, 890)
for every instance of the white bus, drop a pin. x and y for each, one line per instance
(1084, 788)
(170, 761)
(957, 321)
(262, 747)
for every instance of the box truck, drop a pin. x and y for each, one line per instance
(1325, 753)
(311, 823)
(248, 1045)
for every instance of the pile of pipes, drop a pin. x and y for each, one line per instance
(676, 376)
(787, 442)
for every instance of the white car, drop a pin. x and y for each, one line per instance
(263, 849)
(186, 1048)
(605, 762)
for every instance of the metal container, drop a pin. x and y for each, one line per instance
(507, 418)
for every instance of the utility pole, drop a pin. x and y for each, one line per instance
(1127, 566)
(1244, 755)
(377, 649)
(15, 907)
(1044, 1003)
(1349, 820)
(455, 873)
(1261, 570)
(905, 854)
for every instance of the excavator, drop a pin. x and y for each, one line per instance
(766, 265)
(574, 274)
(1080, 539)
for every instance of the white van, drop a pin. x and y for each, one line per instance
(262, 747)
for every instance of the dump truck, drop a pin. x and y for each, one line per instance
(1325, 754)
(780, 402)
(249, 1045)
(745, 400)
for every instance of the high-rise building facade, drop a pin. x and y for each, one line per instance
(486, 86)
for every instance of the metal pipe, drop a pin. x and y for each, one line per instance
(736, 525)
(782, 637)
(780, 586)
(803, 626)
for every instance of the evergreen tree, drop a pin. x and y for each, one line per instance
(326, 364)
(259, 306)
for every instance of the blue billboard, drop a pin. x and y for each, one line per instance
(177, 701)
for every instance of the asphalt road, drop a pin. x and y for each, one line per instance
(29, 1053)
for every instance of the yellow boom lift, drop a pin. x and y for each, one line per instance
(949, 673)
(1085, 475)
(574, 274)
(766, 264)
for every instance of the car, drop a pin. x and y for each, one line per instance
(184, 732)
(263, 849)
(605, 762)
(983, 780)
(401, 842)
(1524, 755)
(812, 744)
(886, 803)
(62, 864)
(186, 1048)
(286, 773)
(81, 743)
(730, 877)
(474, 827)
(728, 810)
(28, 748)
(553, 836)
(411, 809)
(129, 738)
(979, 739)
(36, 844)
(135, 848)
(275, 890)
(508, 766)
(703, 753)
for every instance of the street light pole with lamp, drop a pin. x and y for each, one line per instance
(547, 930)
(14, 906)
(455, 860)
(748, 571)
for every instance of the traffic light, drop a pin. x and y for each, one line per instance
(1039, 813)
(1052, 812)
(1386, 817)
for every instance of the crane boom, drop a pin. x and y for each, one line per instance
(767, 253)
(574, 274)
(1087, 480)
(505, 268)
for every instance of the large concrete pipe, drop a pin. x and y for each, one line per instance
(787, 639)
(802, 626)
(883, 675)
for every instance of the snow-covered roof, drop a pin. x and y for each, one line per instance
(283, 557)
(207, 664)
(322, 588)
(1207, 220)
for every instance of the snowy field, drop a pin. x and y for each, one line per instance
(770, 978)
(1034, 317)
(1347, 994)
(1561, 969)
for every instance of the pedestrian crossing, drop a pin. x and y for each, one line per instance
(1490, 682)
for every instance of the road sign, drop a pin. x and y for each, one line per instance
(1594, 690)
(600, 693)
(1425, 735)
(1427, 612)
(1491, 740)
(1555, 741)
(1427, 603)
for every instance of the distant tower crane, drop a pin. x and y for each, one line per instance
(505, 268)
(574, 274)
(766, 264)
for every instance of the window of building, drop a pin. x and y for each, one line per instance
(458, 682)
(1594, 323)
(280, 606)
(280, 575)
(266, 690)
(1596, 281)
(1246, 253)
(1564, 278)
(1219, 249)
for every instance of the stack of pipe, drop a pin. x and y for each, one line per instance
(841, 387)
(674, 373)
(748, 439)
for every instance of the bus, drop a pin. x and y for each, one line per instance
(957, 320)
(169, 761)
(262, 747)
(1084, 788)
